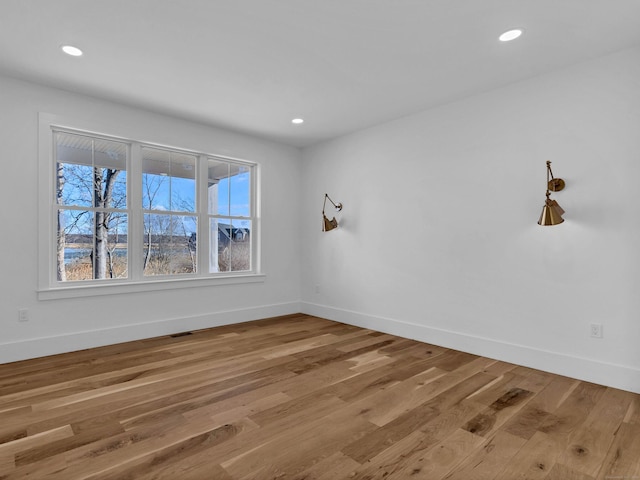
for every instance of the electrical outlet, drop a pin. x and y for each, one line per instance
(317, 288)
(23, 315)
(596, 330)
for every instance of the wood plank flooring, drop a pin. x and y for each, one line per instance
(299, 397)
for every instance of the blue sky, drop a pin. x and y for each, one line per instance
(178, 194)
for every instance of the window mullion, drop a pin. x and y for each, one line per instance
(202, 209)
(136, 216)
(255, 216)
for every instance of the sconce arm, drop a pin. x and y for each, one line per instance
(338, 206)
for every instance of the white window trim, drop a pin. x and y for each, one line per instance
(50, 289)
(78, 290)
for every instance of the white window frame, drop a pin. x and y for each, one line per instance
(48, 285)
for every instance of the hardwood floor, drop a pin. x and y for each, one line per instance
(300, 397)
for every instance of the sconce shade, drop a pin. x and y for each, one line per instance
(329, 224)
(551, 214)
(559, 210)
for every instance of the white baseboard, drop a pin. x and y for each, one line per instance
(42, 347)
(611, 375)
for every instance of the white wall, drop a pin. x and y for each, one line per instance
(63, 325)
(438, 238)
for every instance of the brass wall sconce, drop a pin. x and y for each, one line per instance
(551, 211)
(326, 223)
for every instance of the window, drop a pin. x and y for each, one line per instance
(229, 212)
(170, 215)
(91, 215)
(130, 212)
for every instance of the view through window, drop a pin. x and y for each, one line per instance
(128, 211)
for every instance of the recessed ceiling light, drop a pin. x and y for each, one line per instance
(71, 50)
(510, 35)
(297, 121)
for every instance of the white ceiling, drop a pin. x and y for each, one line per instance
(342, 65)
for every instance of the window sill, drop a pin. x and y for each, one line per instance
(76, 291)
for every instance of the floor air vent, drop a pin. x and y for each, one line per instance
(181, 334)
